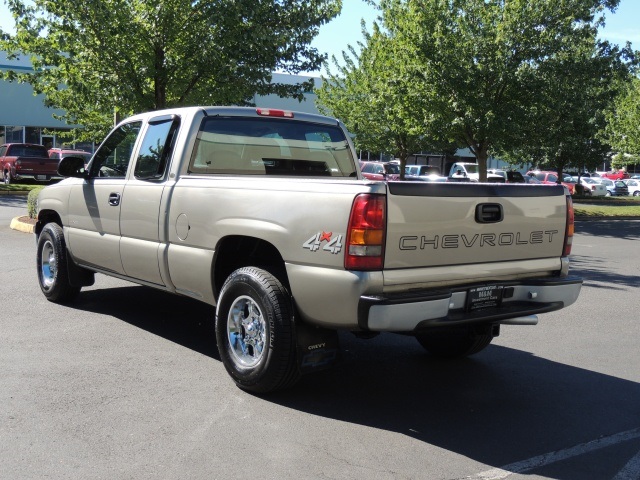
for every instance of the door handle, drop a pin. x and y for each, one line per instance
(114, 199)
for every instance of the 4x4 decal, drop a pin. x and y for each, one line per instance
(333, 244)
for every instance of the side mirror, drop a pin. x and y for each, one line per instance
(72, 167)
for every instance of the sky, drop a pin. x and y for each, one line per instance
(621, 26)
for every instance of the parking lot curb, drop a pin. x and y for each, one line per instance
(14, 192)
(19, 225)
(593, 219)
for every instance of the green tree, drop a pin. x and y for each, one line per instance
(574, 88)
(623, 125)
(474, 70)
(141, 55)
(375, 102)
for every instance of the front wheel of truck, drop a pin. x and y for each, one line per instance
(255, 331)
(455, 342)
(53, 274)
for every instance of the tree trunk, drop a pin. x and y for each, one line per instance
(160, 79)
(481, 157)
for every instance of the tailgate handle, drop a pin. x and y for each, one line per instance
(489, 213)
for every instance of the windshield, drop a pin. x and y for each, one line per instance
(393, 169)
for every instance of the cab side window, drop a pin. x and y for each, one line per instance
(156, 148)
(114, 155)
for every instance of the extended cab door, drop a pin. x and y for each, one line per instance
(94, 205)
(140, 217)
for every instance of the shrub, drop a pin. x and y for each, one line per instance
(32, 202)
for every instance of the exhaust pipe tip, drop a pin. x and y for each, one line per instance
(528, 320)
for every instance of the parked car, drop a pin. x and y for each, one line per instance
(551, 178)
(591, 187)
(465, 171)
(427, 178)
(380, 170)
(633, 185)
(619, 175)
(614, 187)
(532, 180)
(421, 170)
(60, 153)
(509, 176)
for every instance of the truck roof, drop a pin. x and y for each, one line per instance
(257, 112)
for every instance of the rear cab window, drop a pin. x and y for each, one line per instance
(278, 147)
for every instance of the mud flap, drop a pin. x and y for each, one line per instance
(318, 348)
(78, 276)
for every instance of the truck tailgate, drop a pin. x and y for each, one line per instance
(458, 224)
(46, 167)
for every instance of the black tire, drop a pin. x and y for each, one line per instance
(53, 275)
(455, 342)
(255, 331)
(636, 193)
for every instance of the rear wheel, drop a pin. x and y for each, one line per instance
(636, 193)
(53, 274)
(255, 331)
(608, 194)
(454, 342)
(6, 178)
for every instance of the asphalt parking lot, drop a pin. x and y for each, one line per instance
(126, 383)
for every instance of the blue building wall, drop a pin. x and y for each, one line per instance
(23, 115)
(25, 118)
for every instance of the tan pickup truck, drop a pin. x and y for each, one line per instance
(265, 215)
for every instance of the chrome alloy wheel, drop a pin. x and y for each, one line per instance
(49, 265)
(246, 331)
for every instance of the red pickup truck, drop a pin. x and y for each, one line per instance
(19, 161)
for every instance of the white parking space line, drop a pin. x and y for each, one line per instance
(632, 468)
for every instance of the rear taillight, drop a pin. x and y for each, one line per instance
(366, 233)
(18, 165)
(568, 236)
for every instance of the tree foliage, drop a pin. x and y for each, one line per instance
(576, 89)
(376, 103)
(485, 73)
(623, 125)
(141, 55)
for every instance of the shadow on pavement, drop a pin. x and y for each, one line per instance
(181, 320)
(498, 407)
(597, 273)
(16, 201)
(625, 229)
